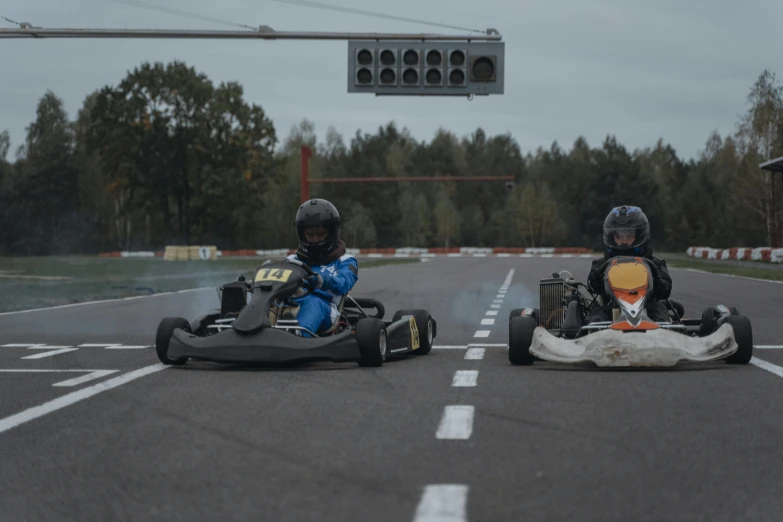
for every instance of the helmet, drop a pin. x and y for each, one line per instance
(626, 231)
(317, 213)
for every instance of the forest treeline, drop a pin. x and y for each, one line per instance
(168, 157)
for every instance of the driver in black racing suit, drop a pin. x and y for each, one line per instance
(627, 233)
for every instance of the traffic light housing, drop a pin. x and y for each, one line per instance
(425, 68)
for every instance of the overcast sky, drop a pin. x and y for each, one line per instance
(676, 69)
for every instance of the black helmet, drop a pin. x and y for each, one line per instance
(313, 213)
(626, 231)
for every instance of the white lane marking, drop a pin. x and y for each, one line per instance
(475, 354)
(54, 350)
(494, 306)
(464, 378)
(95, 374)
(442, 503)
(509, 276)
(769, 347)
(497, 302)
(91, 375)
(456, 423)
(764, 365)
(69, 348)
(102, 301)
(487, 321)
(469, 345)
(481, 333)
(72, 398)
(491, 312)
(114, 346)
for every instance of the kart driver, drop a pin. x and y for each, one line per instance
(627, 233)
(318, 229)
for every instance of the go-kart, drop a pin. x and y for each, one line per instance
(265, 329)
(558, 330)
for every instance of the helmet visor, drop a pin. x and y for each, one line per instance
(624, 237)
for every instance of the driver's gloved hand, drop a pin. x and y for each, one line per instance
(319, 281)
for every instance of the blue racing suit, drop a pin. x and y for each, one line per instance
(318, 309)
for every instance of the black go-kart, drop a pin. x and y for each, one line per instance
(265, 330)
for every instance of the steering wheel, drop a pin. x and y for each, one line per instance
(650, 264)
(303, 266)
(653, 268)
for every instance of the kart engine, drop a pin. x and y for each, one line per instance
(554, 295)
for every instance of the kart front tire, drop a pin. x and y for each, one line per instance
(163, 336)
(426, 327)
(370, 335)
(520, 338)
(743, 335)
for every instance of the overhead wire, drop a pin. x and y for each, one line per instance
(9, 20)
(352, 10)
(304, 3)
(171, 10)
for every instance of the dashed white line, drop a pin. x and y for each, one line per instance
(456, 423)
(91, 374)
(72, 398)
(491, 312)
(469, 345)
(442, 503)
(53, 350)
(764, 365)
(114, 346)
(464, 378)
(487, 321)
(94, 374)
(475, 354)
(481, 333)
(494, 306)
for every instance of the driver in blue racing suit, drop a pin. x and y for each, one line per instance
(627, 233)
(318, 229)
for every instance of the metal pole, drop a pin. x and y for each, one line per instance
(306, 153)
(264, 33)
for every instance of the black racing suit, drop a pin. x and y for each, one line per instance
(662, 289)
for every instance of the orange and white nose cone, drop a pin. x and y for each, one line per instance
(628, 276)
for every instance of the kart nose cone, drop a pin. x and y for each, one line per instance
(653, 348)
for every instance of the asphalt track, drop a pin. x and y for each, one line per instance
(457, 435)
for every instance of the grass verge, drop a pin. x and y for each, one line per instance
(39, 282)
(771, 272)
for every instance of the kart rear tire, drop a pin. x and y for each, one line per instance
(743, 335)
(426, 327)
(370, 335)
(520, 338)
(163, 336)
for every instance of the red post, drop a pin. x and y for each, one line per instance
(306, 154)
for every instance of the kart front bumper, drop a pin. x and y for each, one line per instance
(653, 348)
(269, 345)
